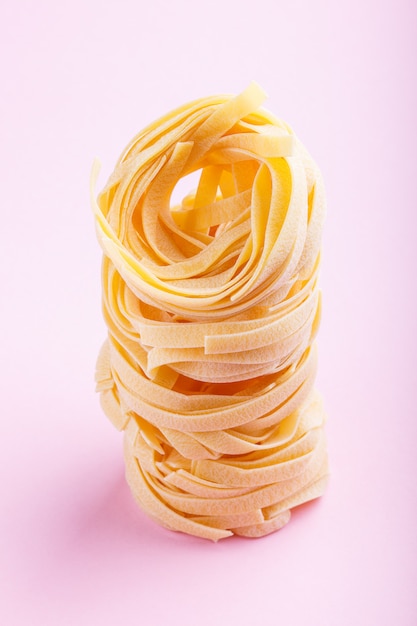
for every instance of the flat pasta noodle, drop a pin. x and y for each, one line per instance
(212, 307)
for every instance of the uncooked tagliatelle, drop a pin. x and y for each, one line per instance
(212, 306)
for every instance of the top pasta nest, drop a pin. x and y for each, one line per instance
(248, 235)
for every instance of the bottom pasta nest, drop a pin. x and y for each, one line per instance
(242, 480)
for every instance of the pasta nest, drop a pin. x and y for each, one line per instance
(212, 306)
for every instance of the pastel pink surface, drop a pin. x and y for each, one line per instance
(79, 83)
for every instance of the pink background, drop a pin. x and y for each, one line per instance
(79, 79)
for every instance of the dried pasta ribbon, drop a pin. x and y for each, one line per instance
(212, 306)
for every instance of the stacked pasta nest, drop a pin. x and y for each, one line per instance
(212, 307)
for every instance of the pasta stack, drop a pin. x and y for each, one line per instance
(212, 306)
